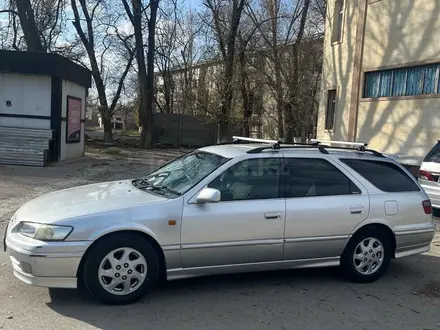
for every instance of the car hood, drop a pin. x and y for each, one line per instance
(85, 200)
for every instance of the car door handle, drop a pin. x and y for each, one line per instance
(356, 210)
(272, 215)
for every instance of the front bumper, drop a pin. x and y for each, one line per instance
(46, 264)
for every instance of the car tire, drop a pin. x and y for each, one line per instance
(127, 260)
(367, 256)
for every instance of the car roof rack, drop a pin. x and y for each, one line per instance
(273, 144)
(321, 145)
(359, 145)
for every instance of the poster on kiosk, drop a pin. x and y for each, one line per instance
(73, 120)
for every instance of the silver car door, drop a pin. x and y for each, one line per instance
(246, 226)
(323, 206)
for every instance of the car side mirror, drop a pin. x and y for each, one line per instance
(209, 195)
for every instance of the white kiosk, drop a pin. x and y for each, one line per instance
(42, 108)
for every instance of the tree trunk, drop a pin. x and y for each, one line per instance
(167, 90)
(274, 11)
(148, 139)
(225, 113)
(27, 22)
(108, 134)
(106, 114)
(144, 115)
(89, 45)
(245, 90)
(224, 130)
(247, 111)
(293, 99)
(227, 41)
(280, 110)
(227, 96)
(288, 122)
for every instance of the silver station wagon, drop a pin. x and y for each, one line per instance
(251, 205)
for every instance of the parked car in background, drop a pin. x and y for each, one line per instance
(429, 175)
(252, 205)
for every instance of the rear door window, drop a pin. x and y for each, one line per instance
(313, 177)
(385, 176)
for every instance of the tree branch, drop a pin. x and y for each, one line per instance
(122, 79)
(128, 10)
(9, 11)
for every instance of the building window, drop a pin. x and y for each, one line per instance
(337, 21)
(410, 81)
(331, 108)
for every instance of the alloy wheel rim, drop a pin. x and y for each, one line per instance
(368, 256)
(122, 271)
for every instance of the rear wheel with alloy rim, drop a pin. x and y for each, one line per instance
(367, 255)
(120, 269)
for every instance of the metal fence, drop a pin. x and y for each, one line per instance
(183, 130)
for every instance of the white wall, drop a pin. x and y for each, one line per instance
(72, 150)
(29, 95)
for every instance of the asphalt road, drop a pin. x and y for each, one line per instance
(408, 297)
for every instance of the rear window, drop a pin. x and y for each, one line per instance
(383, 175)
(433, 155)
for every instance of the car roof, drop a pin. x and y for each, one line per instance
(235, 150)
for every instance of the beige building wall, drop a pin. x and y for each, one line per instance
(395, 34)
(338, 70)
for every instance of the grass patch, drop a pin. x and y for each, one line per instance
(131, 133)
(113, 151)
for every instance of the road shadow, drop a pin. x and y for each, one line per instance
(209, 299)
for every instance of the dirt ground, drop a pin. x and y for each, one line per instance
(408, 297)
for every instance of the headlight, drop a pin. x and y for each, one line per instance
(44, 232)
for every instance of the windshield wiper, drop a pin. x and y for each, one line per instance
(142, 184)
(165, 188)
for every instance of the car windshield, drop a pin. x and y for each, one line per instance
(180, 175)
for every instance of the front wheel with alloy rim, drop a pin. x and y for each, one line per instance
(120, 269)
(367, 256)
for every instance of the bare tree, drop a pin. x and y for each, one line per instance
(40, 23)
(275, 35)
(224, 21)
(26, 15)
(145, 71)
(50, 21)
(294, 83)
(319, 7)
(284, 37)
(247, 68)
(85, 21)
(10, 37)
(187, 56)
(166, 47)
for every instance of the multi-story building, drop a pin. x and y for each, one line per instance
(381, 74)
(195, 90)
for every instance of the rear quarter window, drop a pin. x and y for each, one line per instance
(433, 155)
(385, 176)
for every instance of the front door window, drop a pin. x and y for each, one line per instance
(249, 180)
